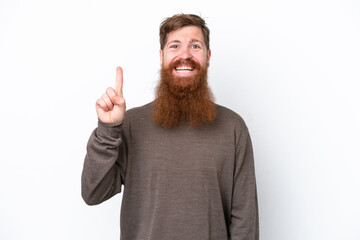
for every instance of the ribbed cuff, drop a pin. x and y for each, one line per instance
(110, 129)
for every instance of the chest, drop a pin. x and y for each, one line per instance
(182, 153)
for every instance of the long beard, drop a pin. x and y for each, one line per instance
(181, 100)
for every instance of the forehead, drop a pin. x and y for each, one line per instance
(187, 33)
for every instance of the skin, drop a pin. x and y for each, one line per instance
(111, 107)
(184, 43)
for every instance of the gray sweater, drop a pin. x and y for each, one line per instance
(184, 183)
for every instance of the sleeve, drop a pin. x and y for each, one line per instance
(105, 164)
(244, 223)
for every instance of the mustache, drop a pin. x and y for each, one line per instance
(187, 61)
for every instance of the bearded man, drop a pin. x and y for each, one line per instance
(186, 163)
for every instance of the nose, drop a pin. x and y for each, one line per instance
(185, 54)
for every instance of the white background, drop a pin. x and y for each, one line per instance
(289, 68)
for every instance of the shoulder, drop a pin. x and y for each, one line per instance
(230, 118)
(138, 114)
(138, 111)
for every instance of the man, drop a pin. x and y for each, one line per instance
(186, 163)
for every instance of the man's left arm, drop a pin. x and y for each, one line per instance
(244, 212)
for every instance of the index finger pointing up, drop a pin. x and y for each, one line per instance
(119, 81)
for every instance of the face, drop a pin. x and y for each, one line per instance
(184, 44)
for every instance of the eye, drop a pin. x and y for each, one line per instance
(174, 46)
(195, 46)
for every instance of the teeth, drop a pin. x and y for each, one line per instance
(184, 68)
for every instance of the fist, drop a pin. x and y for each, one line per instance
(111, 107)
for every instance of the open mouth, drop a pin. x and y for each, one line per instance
(184, 68)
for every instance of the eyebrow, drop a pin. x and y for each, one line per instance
(197, 41)
(192, 41)
(174, 41)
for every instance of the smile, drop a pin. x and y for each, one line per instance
(184, 68)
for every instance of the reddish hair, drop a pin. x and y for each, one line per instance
(182, 20)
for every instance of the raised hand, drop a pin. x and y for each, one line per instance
(111, 107)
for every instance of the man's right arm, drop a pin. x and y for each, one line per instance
(105, 164)
(105, 161)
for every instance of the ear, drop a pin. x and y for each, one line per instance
(208, 57)
(161, 56)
